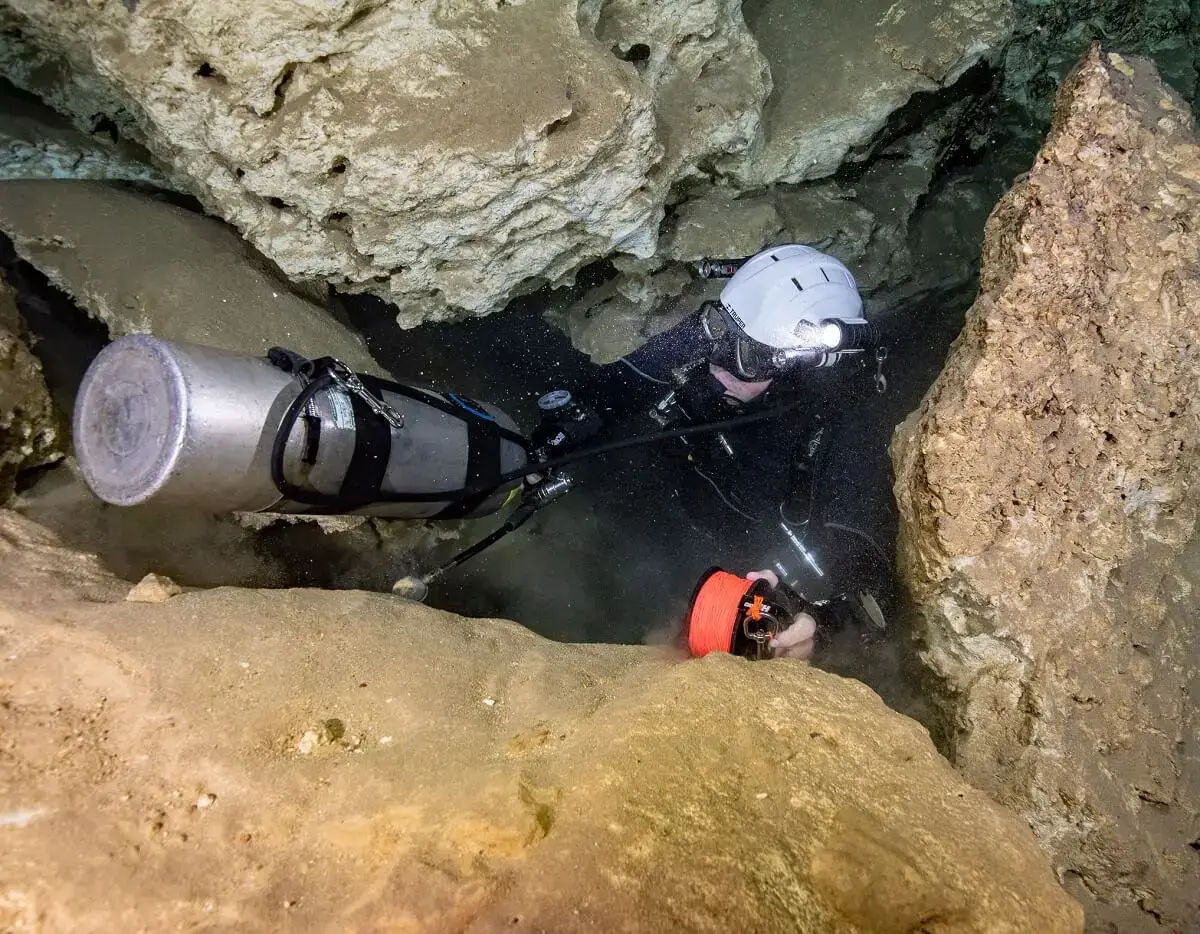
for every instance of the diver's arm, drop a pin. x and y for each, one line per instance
(639, 380)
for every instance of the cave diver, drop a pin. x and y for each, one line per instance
(177, 423)
(783, 315)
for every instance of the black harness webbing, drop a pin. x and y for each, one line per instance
(372, 449)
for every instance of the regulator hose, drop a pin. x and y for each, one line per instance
(324, 382)
(705, 428)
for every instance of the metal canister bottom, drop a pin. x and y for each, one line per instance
(130, 420)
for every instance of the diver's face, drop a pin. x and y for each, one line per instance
(738, 389)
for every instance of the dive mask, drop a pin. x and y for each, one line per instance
(817, 344)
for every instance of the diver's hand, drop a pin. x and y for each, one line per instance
(797, 640)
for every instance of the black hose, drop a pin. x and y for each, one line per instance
(706, 428)
(318, 500)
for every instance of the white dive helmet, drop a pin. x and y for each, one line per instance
(782, 296)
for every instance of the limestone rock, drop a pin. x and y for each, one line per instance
(38, 571)
(30, 433)
(142, 265)
(709, 80)
(36, 142)
(439, 156)
(616, 318)
(452, 158)
(153, 588)
(333, 760)
(715, 223)
(867, 223)
(841, 70)
(1048, 488)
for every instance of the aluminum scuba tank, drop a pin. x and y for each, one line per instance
(173, 423)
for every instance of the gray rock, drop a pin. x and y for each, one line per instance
(442, 157)
(142, 265)
(714, 223)
(708, 78)
(449, 160)
(614, 319)
(37, 142)
(841, 69)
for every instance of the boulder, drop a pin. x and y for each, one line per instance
(30, 432)
(327, 761)
(36, 142)
(450, 159)
(443, 157)
(708, 78)
(841, 70)
(1049, 488)
(871, 223)
(143, 265)
(153, 588)
(615, 318)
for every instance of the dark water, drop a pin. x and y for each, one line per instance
(617, 559)
(591, 567)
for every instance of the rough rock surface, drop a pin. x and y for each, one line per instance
(200, 549)
(1051, 37)
(142, 265)
(438, 155)
(449, 158)
(349, 761)
(36, 142)
(153, 588)
(841, 70)
(615, 318)
(30, 433)
(1048, 489)
(867, 222)
(708, 78)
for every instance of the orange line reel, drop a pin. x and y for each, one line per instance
(735, 615)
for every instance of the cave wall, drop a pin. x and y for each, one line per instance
(1048, 497)
(352, 761)
(32, 434)
(451, 158)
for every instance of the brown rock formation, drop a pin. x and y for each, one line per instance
(1048, 489)
(30, 433)
(252, 760)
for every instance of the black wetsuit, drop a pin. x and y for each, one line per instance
(737, 488)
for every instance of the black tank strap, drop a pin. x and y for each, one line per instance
(461, 412)
(372, 449)
(367, 470)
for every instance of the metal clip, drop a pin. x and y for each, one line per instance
(345, 377)
(881, 383)
(761, 639)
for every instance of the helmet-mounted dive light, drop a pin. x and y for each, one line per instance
(830, 336)
(814, 342)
